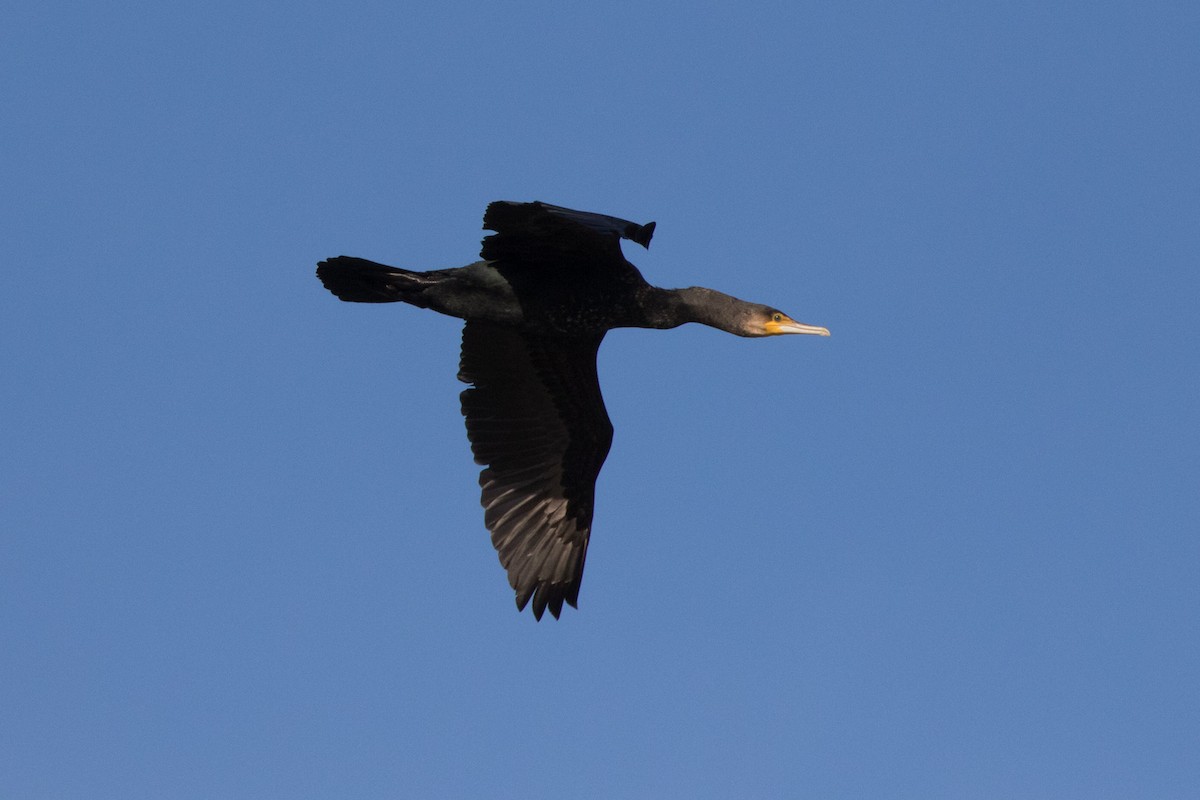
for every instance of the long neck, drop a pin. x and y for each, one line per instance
(670, 308)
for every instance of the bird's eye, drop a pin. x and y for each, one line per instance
(777, 317)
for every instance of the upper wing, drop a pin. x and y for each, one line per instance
(536, 419)
(539, 234)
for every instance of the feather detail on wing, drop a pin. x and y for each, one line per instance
(536, 420)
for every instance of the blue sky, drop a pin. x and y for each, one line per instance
(949, 552)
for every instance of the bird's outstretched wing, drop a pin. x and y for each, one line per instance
(539, 235)
(536, 420)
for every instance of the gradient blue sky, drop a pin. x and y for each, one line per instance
(950, 552)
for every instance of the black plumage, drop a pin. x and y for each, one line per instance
(551, 283)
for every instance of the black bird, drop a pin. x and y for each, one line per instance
(551, 283)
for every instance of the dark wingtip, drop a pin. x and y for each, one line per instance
(640, 234)
(548, 597)
(499, 213)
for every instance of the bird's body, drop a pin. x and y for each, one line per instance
(551, 283)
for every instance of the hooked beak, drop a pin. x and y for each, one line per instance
(789, 325)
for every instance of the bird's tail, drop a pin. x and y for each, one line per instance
(357, 280)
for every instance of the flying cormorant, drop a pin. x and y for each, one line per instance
(551, 283)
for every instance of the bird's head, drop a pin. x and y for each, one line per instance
(728, 313)
(767, 321)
